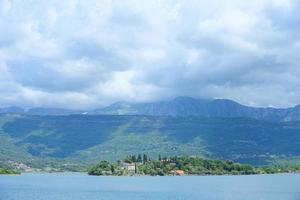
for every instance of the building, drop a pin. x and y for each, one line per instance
(128, 166)
(177, 172)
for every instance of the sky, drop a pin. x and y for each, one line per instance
(89, 54)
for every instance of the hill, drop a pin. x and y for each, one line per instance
(187, 106)
(90, 138)
(178, 107)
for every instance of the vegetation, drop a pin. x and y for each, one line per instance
(8, 171)
(141, 165)
(89, 139)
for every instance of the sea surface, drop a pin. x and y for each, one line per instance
(79, 186)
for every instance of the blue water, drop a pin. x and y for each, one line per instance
(76, 186)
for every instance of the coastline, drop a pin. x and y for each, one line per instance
(69, 173)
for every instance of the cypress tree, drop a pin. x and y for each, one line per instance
(139, 159)
(145, 159)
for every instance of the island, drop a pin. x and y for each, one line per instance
(181, 165)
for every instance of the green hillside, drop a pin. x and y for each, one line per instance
(88, 138)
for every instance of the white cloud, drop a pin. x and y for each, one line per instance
(91, 53)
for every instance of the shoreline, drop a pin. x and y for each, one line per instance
(186, 175)
(195, 175)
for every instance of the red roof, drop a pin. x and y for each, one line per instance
(179, 172)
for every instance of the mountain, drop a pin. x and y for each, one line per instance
(90, 138)
(220, 128)
(39, 111)
(187, 106)
(12, 109)
(52, 111)
(179, 107)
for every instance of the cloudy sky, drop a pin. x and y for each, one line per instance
(87, 54)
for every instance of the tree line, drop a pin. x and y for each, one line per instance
(189, 165)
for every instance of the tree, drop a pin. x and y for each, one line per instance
(134, 158)
(104, 167)
(190, 165)
(128, 159)
(112, 168)
(139, 159)
(145, 159)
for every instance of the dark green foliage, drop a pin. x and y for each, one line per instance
(139, 158)
(8, 171)
(145, 158)
(129, 159)
(91, 138)
(134, 158)
(63, 134)
(190, 166)
(103, 168)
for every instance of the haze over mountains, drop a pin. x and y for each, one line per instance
(180, 106)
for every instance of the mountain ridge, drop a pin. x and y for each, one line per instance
(180, 106)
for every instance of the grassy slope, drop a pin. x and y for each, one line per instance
(8, 150)
(11, 151)
(93, 138)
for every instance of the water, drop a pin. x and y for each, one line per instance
(77, 186)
